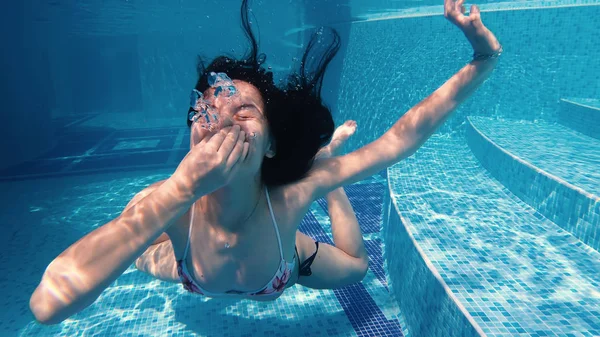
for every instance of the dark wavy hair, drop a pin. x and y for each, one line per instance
(299, 121)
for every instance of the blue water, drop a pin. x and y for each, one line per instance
(492, 228)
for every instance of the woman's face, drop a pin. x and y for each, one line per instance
(246, 109)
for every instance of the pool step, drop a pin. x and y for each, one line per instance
(554, 169)
(464, 254)
(581, 114)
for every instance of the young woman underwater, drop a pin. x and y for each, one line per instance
(225, 223)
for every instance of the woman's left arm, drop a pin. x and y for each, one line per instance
(422, 120)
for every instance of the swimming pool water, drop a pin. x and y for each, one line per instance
(138, 305)
(461, 240)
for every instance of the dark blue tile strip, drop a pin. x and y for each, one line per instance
(364, 314)
(362, 311)
(366, 200)
(375, 252)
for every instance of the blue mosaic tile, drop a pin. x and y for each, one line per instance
(557, 176)
(513, 272)
(557, 66)
(375, 252)
(383, 174)
(582, 115)
(311, 227)
(366, 317)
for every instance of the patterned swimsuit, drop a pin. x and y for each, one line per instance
(275, 286)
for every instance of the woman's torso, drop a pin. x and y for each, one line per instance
(253, 256)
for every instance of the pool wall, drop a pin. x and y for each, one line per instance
(391, 65)
(426, 302)
(25, 97)
(570, 207)
(581, 116)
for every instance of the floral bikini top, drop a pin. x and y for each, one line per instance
(275, 286)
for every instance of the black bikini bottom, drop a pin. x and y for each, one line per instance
(305, 265)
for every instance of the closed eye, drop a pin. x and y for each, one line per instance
(246, 111)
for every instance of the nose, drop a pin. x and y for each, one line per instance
(225, 121)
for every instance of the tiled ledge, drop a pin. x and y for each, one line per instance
(429, 307)
(490, 7)
(550, 167)
(581, 115)
(466, 257)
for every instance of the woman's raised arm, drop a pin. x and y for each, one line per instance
(422, 120)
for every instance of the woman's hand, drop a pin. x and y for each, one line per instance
(482, 39)
(211, 163)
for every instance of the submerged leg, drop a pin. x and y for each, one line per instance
(344, 225)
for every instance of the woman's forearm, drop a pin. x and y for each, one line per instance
(421, 121)
(76, 278)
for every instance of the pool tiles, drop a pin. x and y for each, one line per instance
(554, 148)
(549, 166)
(364, 314)
(581, 114)
(512, 270)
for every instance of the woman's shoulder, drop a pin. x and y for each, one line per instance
(290, 203)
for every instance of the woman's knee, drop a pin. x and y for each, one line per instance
(362, 267)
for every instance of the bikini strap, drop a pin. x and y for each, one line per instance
(274, 224)
(187, 246)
